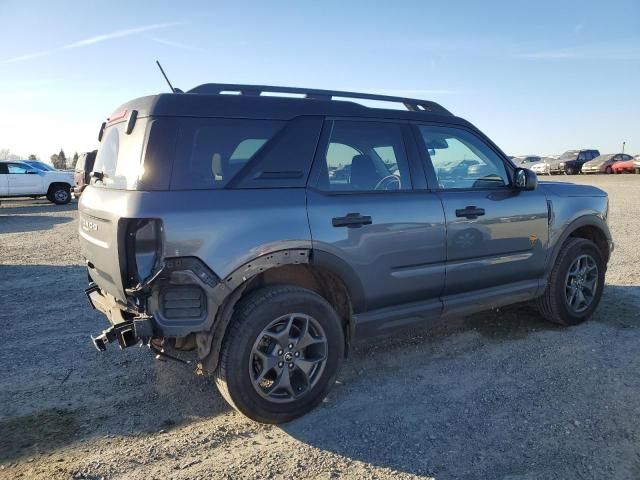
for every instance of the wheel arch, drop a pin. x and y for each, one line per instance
(54, 184)
(590, 227)
(318, 271)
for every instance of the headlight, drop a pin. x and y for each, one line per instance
(561, 164)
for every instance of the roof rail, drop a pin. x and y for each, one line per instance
(412, 104)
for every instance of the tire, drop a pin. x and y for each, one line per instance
(608, 170)
(59, 193)
(554, 304)
(250, 331)
(637, 171)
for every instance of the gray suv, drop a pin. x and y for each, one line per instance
(266, 233)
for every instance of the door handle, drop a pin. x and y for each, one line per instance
(351, 220)
(470, 212)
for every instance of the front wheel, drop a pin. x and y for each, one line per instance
(60, 194)
(608, 170)
(575, 283)
(281, 354)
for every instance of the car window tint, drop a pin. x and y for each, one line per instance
(216, 150)
(461, 160)
(365, 156)
(16, 168)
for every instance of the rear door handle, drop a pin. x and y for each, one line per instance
(470, 212)
(351, 220)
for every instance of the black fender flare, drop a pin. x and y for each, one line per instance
(583, 221)
(209, 343)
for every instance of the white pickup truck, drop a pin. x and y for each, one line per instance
(18, 179)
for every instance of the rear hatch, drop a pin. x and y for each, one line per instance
(106, 202)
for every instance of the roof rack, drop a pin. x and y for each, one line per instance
(412, 104)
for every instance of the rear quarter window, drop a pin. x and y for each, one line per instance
(212, 151)
(119, 157)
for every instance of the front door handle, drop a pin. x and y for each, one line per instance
(351, 220)
(470, 212)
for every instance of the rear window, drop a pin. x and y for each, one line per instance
(119, 157)
(212, 151)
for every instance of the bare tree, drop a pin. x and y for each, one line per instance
(5, 154)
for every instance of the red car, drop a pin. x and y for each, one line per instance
(623, 167)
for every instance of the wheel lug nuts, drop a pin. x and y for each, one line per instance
(291, 365)
(290, 346)
(281, 364)
(297, 354)
(280, 352)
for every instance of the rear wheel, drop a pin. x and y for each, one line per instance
(281, 354)
(608, 170)
(575, 284)
(637, 171)
(59, 193)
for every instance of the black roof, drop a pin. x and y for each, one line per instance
(212, 100)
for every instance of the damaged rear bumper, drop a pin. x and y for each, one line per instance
(125, 329)
(181, 298)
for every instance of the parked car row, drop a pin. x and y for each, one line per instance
(26, 179)
(33, 178)
(573, 162)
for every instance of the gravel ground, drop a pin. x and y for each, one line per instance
(497, 395)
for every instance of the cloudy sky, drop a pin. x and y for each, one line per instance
(537, 77)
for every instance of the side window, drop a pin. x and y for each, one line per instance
(216, 150)
(3, 169)
(16, 168)
(365, 156)
(461, 160)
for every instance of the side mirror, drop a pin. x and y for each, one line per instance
(525, 179)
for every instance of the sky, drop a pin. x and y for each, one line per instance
(537, 77)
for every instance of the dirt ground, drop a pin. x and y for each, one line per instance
(496, 395)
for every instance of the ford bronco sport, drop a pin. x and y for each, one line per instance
(218, 223)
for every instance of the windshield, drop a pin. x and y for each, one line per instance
(570, 155)
(43, 167)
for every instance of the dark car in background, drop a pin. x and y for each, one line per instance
(604, 163)
(83, 171)
(571, 161)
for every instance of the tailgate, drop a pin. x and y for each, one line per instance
(100, 239)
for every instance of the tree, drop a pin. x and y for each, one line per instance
(75, 160)
(62, 158)
(33, 157)
(5, 154)
(59, 160)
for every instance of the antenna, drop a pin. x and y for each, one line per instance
(174, 90)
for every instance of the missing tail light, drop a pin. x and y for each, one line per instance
(143, 249)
